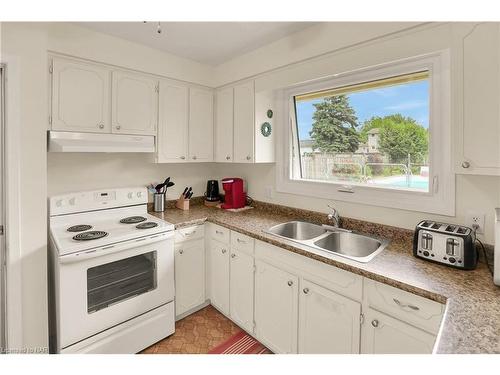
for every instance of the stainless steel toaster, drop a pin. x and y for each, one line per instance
(449, 244)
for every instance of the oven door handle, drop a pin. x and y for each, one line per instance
(114, 248)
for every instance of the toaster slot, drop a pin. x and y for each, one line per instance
(436, 226)
(450, 228)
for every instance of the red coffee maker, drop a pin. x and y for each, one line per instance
(234, 197)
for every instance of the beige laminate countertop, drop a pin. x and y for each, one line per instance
(472, 319)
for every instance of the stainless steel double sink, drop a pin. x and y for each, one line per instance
(329, 239)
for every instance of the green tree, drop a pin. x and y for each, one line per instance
(334, 126)
(399, 136)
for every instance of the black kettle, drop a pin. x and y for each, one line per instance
(212, 194)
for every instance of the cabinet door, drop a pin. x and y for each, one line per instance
(241, 289)
(80, 97)
(328, 322)
(219, 276)
(479, 133)
(135, 104)
(224, 126)
(382, 334)
(244, 125)
(201, 127)
(173, 123)
(276, 308)
(189, 275)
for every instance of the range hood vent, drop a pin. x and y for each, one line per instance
(59, 141)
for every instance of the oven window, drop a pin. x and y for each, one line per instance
(113, 282)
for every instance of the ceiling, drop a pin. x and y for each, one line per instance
(209, 43)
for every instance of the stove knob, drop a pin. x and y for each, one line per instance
(72, 201)
(59, 202)
(130, 195)
(139, 194)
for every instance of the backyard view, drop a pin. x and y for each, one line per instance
(374, 133)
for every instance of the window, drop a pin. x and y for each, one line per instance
(373, 133)
(378, 136)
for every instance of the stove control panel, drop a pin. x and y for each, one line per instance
(96, 200)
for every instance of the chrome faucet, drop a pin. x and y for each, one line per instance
(334, 216)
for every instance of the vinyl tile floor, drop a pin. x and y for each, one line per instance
(197, 333)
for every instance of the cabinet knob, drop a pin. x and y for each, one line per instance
(118, 127)
(465, 164)
(375, 323)
(228, 157)
(224, 251)
(305, 290)
(101, 126)
(233, 255)
(181, 251)
(249, 157)
(182, 157)
(290, 283)
(194, 157)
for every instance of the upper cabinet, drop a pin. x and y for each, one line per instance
(477, 57)
(243, 127)
(95, 98)
(173, 125)
(201, 128)
(135, 103)
(80, 97)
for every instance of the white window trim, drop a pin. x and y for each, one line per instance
(441, 197)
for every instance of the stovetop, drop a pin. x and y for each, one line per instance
(83, 231)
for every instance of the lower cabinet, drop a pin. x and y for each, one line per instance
(241, 287)
(219, 276)
(383, 334)
(328, 322)
(276, 312)
(189, 275)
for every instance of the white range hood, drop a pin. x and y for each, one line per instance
(60, 141)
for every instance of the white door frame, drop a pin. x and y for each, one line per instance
(3, 257)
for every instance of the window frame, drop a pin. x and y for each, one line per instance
(440, 198)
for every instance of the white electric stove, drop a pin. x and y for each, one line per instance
(111, 273)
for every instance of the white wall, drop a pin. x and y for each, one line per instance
(478, 193)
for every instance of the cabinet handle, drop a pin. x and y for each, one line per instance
(224, 251)
(240, 241)
(375, 323)
(218, 231)
(249, 157)
(101, 126)
(181, 251)
(118, 127)
(182, 157)
(305, 290)
(228, 157)
(194, 157)
(290, 283)
(233, 255)
(465, 164)
(398, 302)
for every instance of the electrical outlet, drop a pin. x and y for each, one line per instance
(475, 218)
(269, 191)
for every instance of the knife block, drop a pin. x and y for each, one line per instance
(182, 203)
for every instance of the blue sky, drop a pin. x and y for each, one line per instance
(410, 99)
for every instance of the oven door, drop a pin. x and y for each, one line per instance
(101, 288)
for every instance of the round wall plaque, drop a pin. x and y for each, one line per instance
(266, 129)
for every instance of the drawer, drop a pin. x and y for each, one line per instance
(189, 233)
(242, 242)
(410, 308)
(219, 233)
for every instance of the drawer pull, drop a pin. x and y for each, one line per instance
(224, 251)
(290, 283)
(375, 323)
(240, 241)
(218, 232)
(306, 290)
(189, 234)
(233, 255)
(181, 251)
(398, 302)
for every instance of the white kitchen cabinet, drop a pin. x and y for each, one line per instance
(382, 334)
(80, 96)
(244, 122)
(134, 103)
(219, 276)
(173, 123)
(241, 288)
(477, 80)
(189, 275)
(224, 125)
(276, 307)
(328, 322)
(201, 127)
